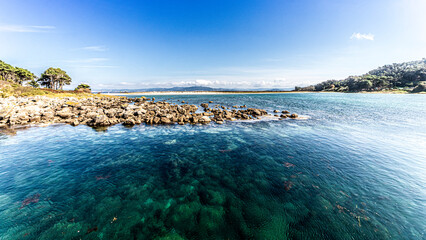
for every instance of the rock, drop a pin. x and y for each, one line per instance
(64, 113)
(35, 119)
(165, 120)
(47, 116)
(75, 123)
(100, 112)
(156, 120)
(204, 120)
(91, 115)
(129, 122)
(99, 121)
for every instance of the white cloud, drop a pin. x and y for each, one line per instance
(23, 29)
(96, 66)
(87, 60)
(95, 48)
(361, 36)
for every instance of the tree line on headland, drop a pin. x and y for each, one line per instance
(407, 76)
(52, 78)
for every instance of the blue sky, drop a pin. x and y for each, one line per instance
(234, 44)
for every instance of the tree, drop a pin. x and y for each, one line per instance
(54, 78)
(33, 84)
(365, 85)
(402, 75)
(23, 75)
(7, 71)
(82, 86)
(14, 74)
(419, 88)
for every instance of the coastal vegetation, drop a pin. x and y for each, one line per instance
(403, 77)
(52, 78)
(9, 89)
(83, 86)
(15, 74)
(20, 82)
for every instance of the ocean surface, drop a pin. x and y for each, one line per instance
(354, 168)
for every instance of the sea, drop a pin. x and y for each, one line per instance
(353, 166)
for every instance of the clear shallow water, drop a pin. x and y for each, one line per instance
(356, 169)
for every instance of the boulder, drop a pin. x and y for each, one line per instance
(75, 123)
(99, 121)
(165, 120)
(64, 113)
(204, 120)
(129, 122)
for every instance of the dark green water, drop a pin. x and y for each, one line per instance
(355, 169)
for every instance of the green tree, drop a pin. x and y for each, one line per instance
(33, 83)
(15, 74)
(23, 75)
(54, 78)
(365, 85)
(7, 71)
(82, 86)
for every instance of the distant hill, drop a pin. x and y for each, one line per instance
(408, 76)
(187, 89)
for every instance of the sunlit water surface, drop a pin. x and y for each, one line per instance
(355, 169)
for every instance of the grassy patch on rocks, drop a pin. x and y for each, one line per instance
(8, 89)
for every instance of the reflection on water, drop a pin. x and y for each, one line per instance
(354, 169)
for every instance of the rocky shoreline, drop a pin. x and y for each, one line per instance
(105, 111)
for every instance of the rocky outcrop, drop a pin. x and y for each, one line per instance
(106, 111)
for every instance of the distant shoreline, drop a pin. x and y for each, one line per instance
(199, 92)
(244, 92)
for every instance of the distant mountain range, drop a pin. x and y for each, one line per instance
(186, 89)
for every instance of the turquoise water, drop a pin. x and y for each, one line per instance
(354, 169)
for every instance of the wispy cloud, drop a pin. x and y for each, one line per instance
(25, 29)
(96, 66)
(95, 48)
(89, 63)
(87, 60)
(361, 36)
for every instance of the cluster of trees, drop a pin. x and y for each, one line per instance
(15, 74)
(54, 78)
(408, 76)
